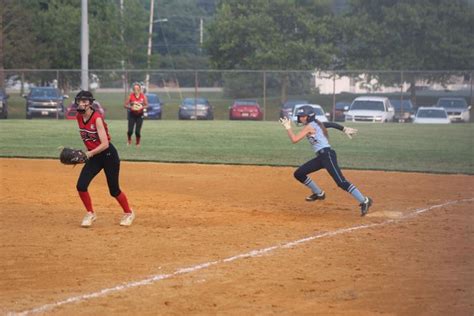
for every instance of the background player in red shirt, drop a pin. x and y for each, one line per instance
(102, 155)
(137, 102)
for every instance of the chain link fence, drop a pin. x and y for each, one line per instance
(271, 89)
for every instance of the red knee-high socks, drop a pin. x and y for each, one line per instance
(122, 199)
(86, 200)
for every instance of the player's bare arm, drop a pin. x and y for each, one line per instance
(307, 130)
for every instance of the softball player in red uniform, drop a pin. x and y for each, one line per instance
(136, 104)
(317, 135)
(101, 154)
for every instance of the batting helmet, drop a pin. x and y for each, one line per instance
(84, 95)
(306, 110)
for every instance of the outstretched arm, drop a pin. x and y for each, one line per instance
(333, 125)
(347, 130)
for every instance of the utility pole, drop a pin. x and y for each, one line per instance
(84, 46)
(150, 34)
(122, 39)
(201, 33)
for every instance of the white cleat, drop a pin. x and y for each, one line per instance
(88, 219)
(127, 219)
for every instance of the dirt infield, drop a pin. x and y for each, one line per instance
(209, 219)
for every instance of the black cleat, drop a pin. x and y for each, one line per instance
(364, 207)
(313, 197)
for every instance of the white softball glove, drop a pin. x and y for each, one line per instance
(137, 106)
(349, 131)
(285, 122)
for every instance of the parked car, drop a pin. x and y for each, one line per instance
(245, 110)
(195, 108)
(3, 104)
(339, 112)
(318, 110)
(44, 102)
(71, 111)
(155, 107)
(287, 109)
(431, 115)
(404, 110)
(370, 109)
(457, 108)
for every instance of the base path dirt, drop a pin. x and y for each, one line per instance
(238, 240)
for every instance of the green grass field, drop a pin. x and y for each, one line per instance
(403, 147)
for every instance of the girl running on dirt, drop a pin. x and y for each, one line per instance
(317, 135)
(101, 154)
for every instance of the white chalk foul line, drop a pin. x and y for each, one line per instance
(254, 253)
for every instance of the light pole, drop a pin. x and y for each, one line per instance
(84, 47)
(150, 35)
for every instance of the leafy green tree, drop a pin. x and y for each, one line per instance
(17, 38)
(278, 34)
(135, 33)
(409, 35)
(180, 34)
(416, 35)
(58, 25)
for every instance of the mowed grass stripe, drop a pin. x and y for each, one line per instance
(400, 147)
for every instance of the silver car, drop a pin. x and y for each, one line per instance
(457, 108)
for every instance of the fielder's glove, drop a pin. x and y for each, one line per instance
(137, 106)
(285, 122)
(349, 131)
(69, 156)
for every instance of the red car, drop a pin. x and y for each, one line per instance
(72, 110)
(245, 110)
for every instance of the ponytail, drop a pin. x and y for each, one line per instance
(323, 128)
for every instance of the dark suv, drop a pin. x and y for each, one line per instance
(3, 105)
(44, 102)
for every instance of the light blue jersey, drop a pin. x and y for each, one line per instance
(318, 141)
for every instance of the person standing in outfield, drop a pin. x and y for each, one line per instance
(135, 105)
(317, 135)
(101, 154)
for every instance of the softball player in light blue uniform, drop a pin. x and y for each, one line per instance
(317, 135)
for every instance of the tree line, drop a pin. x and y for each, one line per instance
(244, 34)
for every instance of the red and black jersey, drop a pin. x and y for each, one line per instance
(134, 99)
(88, 130)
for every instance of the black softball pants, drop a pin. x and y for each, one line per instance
(134, 121)
(326, 159)
(107, 160)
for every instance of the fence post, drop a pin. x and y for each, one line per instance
(264, 96)
(195, 93)
(401, 96)
(22, 86)
(472, 101)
